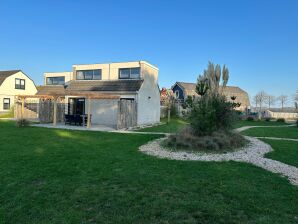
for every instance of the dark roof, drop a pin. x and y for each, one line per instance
(118, 85)
(5, 74)
(50, 90)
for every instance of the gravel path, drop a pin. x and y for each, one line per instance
(285, 139)
(253, 153)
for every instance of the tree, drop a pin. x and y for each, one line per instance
(295, 97)
(283, 99)
(270, 100)
(260, 98)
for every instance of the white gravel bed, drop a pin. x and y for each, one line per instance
(253, 153)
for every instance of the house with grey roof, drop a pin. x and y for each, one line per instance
(182, 90)
(129, 92)
(13, 83)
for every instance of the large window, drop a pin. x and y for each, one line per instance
(19, 83)
(6, 104)
(56, 80)
(129, 73)
(89, 74)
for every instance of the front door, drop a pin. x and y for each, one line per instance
(76, 106)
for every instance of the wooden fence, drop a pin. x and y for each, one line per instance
(39, 110)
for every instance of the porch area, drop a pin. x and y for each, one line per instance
(78, 110)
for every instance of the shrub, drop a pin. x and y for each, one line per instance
(211, 113)
(186, 139)
(282, 120)
(22, 123)
(267, 119)
(297, 123)
(250, 119)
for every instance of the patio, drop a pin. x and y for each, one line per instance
(94, 127)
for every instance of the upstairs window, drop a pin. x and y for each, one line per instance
(6, 103)
(129, 73)
(89, 74)
(19, 83)
(55, 80)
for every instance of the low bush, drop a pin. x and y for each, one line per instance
(282, 120)
(267, 119)
(297, 123)
(218, 141)
(250, 119)
(22, 123)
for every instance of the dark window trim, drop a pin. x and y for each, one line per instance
(50, 77)
(129, 73)
(6, 103)
(20, 86)
(92, 74)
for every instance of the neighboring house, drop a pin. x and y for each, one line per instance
(132, 82)
(13, 83)
(182, 90)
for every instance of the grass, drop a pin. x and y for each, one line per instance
(60, 176)
(243, 123)
(284, 151)
(173, 126)
(278, 132)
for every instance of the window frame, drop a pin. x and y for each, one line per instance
(20, 86)
(53, 77)
(4, 108)
(88, 70)
(129, 76)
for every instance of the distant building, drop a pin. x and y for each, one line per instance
(13, 83)
(182, 90)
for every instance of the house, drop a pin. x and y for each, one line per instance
(182, 90)
(127, 92)
(13, 83)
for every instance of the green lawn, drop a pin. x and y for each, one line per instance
(59, 176)
(243, 123)
(284, 151)
(278, 132)
(174, 125)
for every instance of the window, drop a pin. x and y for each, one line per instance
(129, 73)
(56, 80)
(177, 94)
(6, 104)
(19, 83)
(89, 74)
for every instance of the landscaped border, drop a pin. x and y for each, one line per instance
(253, 153)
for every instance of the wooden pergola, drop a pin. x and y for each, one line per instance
(54, 97)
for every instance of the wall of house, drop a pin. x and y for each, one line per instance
(148, 100)
(7, 89)
(68, 76)
(180, 91)
(110, 71)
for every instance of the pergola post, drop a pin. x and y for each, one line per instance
(55, 111)
(23, 107)
(89, 111)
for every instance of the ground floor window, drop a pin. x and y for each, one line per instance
(6, 103)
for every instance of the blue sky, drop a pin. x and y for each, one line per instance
(256, 39)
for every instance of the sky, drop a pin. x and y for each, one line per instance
(256, 39)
